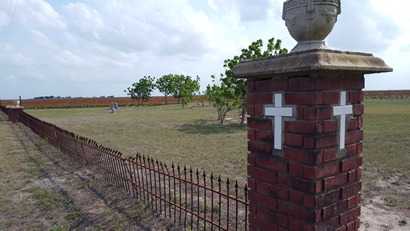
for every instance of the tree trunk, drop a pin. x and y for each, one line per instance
(243, 114)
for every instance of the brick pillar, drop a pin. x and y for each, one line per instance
(305, 136)
(14, 113)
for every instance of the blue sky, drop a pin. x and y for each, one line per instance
(100, 47)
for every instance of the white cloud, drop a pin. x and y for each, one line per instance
(111, 44)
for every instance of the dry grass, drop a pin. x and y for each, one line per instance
(190, 137)
(193, 136)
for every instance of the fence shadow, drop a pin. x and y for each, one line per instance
(192, 199)
(203, 127)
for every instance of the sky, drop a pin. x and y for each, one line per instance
(94, 48)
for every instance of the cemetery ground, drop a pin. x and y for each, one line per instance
(42, 189)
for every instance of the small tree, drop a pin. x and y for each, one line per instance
(253, 51)
(184, 88)
(141, 90)
(189, 89)
(165, 85)
(223, 98)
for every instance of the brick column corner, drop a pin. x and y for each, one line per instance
(305, 134)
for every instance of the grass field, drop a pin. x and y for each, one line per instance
(193, 137)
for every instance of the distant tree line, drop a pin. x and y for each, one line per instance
(226, 92)
(182, 87)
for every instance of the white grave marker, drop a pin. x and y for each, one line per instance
(342, 111)
(278, 112)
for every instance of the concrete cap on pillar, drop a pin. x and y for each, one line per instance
(318, 62)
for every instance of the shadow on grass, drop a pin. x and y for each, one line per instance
(203, 127)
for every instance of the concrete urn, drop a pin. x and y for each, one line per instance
(309, 22)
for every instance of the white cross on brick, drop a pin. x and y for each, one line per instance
(342, 111)
(278, 112)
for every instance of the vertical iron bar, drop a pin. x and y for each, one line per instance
(246, 207)
(227, 203)
(212, 201)
(186, 195)
(205, 205)
(236, 208)
(220, 200)
(192, 197)
(198, 210)
(180, 194)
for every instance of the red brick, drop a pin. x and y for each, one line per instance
(264, 135)
(354, 83)
(332, 98)
(318, 113)
(270, 163)
(299, 211)
(296, 197)
(303, 156)
(351, 163)
(296, 83)
(334, 181)
(355, 97)
(251, 183)
(351, 226)
(322, 200)
(306, 186)
(349, 216)
(300, 112)
(329, 155)
(273, 191)
(342, 228)
(271, 85)
(316, 172)
(262, 174)
(251, 159)
(251, 86)
(351, 150)
(261, 223)
(259, 123)
(296, 169)
(295, 224)
(354, 136)
(318, 142)
(303, 127)
(359, 148)
(329, 224)
(351, 190)
(251, 134)
(263, 200)
(359, 174)
(259, 110)
(323, 83)
(295, 140)
(304, 98)
(273, 216)
(333, 210)
(352, 176)
(260, 98)
(358, 109)
(330, 126)
(352, 202)
(357, 224)
(352, 124)
(251, 109)
(260, 147)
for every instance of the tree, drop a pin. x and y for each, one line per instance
(184, 88)
(142, 89)
(253, 51)
(165, 85)
(189, 89)
(223, 98)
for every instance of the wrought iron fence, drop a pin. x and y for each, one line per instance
(194, 200)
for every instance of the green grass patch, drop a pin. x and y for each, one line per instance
(387, 135)
(45, 198)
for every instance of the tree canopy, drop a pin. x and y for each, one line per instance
(141, 90)
(232, 92)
